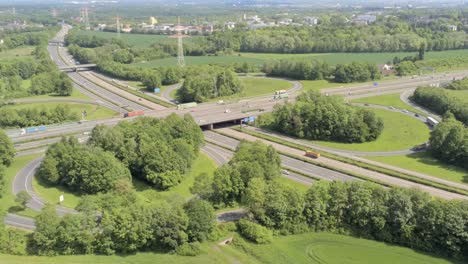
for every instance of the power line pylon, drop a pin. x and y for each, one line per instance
(117, 24)
(180, 46)
(85, 17)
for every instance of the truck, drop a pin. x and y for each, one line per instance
(134, 113)
(431, 121)
(280, 92)
(312, 154)
(281, 96)
(186, 105)
(29, 130)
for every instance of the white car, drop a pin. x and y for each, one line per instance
(227, 111)
(286, 172)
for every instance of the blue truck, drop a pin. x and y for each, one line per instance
(36, 129)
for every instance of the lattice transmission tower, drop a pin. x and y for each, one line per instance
(180, 46)
(84, 17)
(117, 24)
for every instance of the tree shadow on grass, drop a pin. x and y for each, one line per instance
(426, 158)
(15, 209)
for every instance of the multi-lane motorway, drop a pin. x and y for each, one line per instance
(105, 94)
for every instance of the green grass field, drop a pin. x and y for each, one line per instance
(145, 192)
(424, 163)
(8, 199)
(262, 86)
(94, 111)
(320, 248)
(400, 132)
(199, 60)
(17, 53)
(137, 40)
(326, 248)
(388, 99)
(75, 94)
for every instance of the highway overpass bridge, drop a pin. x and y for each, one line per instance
(57, 43)
(75, 68)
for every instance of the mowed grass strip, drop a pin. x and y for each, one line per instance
(94, 111)
(400, 132)
(330, 248)
(389, 100)
(424, 163)
(7, 201)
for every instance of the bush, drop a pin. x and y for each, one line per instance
(255, 232)
(189, 249)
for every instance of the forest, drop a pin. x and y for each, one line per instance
(26, 117)
(320, 117)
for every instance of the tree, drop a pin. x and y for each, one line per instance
(201, 219)
(7, 151)
(151, 81)
(23, 198)
(44, 238)
(2, 180)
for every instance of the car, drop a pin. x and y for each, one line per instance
(261, 110)
(391, 107)
(416, 115)
(286, 172)
(366, 104)
(405, 111)
(227, 111)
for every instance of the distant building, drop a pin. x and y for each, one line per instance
(452, 27)
(386, 69)
(311, 21)
(364, 19)
(100, 27)
(230, 25)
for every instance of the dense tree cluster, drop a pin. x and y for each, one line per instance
(56, 83)
(387, 37)
(318, 70)
(409, 67)
(449, 142)
(441, 101)
(320, 117)
(12, 241)
(158, 151)
(400, 216)
(252, 160)
(205, 83)
(81, 168)
(126, 226)
(26, 117)
(11, 41)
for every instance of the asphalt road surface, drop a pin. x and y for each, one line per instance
(384, 178)
(286, 162)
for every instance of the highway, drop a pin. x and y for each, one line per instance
(386, 179)
(286, 162)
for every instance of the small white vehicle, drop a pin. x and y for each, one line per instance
(227, 111)
(286, 172)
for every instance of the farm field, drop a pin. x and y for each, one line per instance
(331, 58)
(424, 163)
(137, 40)
(202, 164)
(16, 53)
(94, 111)
(305, 248)
(389, 100)
(199, 60)
(400, 132)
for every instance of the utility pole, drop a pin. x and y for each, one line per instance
(180, 47)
